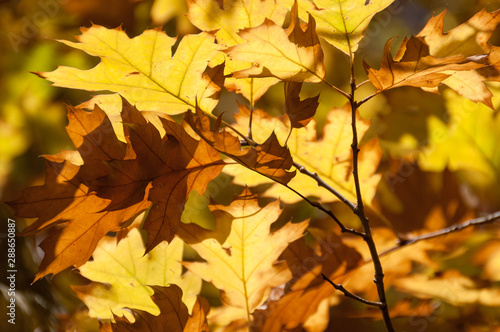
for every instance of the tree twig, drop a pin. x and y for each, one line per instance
(403, 242)
(325, 185)
(360, 211)
(341, 288)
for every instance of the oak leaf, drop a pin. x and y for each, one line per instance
(466, 143)
(328, 156)
(293, 54)
(76, 216)
(341, 23)
(299, 111)
(114, 183)
(308, 289)
(451, 287)
(142, 70)
(414, 66)
(241, 252)
(174, 314)
(122, 274)
(269, 159)
(229, 17)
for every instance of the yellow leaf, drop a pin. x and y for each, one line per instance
(241, 253)
(329, 156)
(340, 22)
(122, 276)
(164, 10)
(142, 70)
(452, 287)
(293, 54)
(467, 140)
(229, 17)
(469, 39)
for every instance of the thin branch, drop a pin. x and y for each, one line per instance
(488, 219)
(361, 84)
(364, 100)
(341, 288)
(251, 110)
(342, 92)
(325, 185)
(360, 211)
(319, 206)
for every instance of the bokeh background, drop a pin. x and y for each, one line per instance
(33, 115)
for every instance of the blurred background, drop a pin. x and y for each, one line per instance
(33, 116)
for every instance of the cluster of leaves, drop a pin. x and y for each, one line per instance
(135, 169)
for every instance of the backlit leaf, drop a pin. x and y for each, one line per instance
(241, 252)
(122, 275)
(414, 66)
(340, 22)
(142, 69)
(329, 156)
(293, 54)
(115, 182)
(269, 159)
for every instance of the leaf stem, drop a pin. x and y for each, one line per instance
(364, 100)
(349, 294)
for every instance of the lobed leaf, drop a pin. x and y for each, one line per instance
(122, 274)
(328, 156)
(269, 159)
(241, 252)
(142, 69)
(115, 182)
(414, 66)
(341, 22)
(293, 54)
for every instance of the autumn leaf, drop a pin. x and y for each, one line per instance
(227, 18)
(299, 111)
(116, 181)
(197, 322)
(174, 313)
(308, 289)
(122, 274)
(74, 213)
(171, 180)
(151, 78)
(241, 252)
(467, 143)
(452, 287)
(440, 204)
(269, 159)
(341, 23)
(328, 156)
(293, 54)
(468, 39)
(414, 66)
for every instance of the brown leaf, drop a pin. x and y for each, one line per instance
(414, 66)
(439, 202)
(308, 289)
(299, 111)
(116, 181)
(173, 317)
(194, 165)
(197, 322)
(269, 159)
